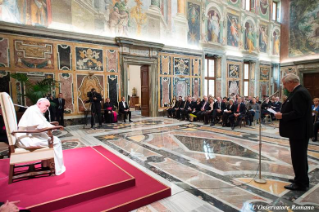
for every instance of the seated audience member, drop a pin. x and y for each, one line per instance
(208, 114)
(33, 117)
(125, 110)
(276, 105)
(110, 115)
(3, 132)
(182, 108)
(218, 110)
(239, 112)
(265, 105)
(196, 106)
(315, 109)
(230, 108)
(178, 106)
(170, 110)
(187, 109)
(257, 100)
(203, 109)
(252, 109)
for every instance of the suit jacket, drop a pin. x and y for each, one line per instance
(56, 101)
(296, 112)
(107, 105)
(242, 108)
(188, 104)
(206, 107)
(277, 106)
(231, 108)
(222, 106)
(121, 106)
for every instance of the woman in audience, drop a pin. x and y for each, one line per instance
(209, 112)
(315, 109)
(253, 111)
(170, 110)
(109, 114)
(229, 110)
(196, 109)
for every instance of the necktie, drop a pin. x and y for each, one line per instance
(204, 105)
(238, 108)
(218, 105)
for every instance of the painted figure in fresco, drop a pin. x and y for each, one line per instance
(233, 87)
(124, 21)
(213, 26)
(264, 6)
(233, 29)
(263, 38)
(9, 11)
(276, 43)
(39, 12)
(250, 41)
(138, 15)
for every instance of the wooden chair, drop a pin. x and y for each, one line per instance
(18, 155)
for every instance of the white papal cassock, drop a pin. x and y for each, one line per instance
(33, 117)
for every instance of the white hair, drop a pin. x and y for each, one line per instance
(291, 78)
(42, 100)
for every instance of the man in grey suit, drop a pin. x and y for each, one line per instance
(296, 124)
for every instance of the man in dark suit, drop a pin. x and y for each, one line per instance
(219, 108)
(187, 108)
(203, 108)
(60, 105)
(296, 124)
(178, 106)
(124, 109)
(95, 100)
(239, 113)
(276, 105)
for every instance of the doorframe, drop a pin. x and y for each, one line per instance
(153, 84)
(303, 71)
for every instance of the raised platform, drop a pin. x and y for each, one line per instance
(95, 180)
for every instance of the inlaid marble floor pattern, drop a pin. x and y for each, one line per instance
(209, 168)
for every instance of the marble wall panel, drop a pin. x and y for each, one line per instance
(193, 18)
(196, 87)
(197, 67)
(84, 84)
(165, 91)
(112, 60)
(233, 87)
(233, 70)
(33, 54)
(218, 88)
(251, 88)
(113, 88)
(64, 57)
(165, 65)
(4, 52)
(89, 59)
(66, 88)
(264, 88)
(5, 81)
(265, 73)
(181, 87)
(181, 66)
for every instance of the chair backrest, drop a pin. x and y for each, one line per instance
(9, 116)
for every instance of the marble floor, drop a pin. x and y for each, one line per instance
(208, 168)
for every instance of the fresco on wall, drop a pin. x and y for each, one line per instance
(233, 28)
(264, 8)
(165, 91)
(234, 2)
(4, 52)
(263, 38)
(64, 57)
(181, 66)
(89, 59)
(304, 28)
(181, 87)
(276, 42)
(250, 36)
(32, 54)
(213, 26)
(193, 17)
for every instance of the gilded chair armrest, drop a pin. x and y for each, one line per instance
(38, 130)
(55, 123)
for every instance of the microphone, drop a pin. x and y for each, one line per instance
(20, 105)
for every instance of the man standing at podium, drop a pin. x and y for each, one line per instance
(296, 124)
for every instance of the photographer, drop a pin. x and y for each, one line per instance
(95, 101)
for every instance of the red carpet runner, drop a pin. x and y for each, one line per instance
(95, 180)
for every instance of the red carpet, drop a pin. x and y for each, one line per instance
(86, 169)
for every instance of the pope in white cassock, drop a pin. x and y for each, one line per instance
(33, 117)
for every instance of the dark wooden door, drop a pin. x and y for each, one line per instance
(311, 82)
(145, 91)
